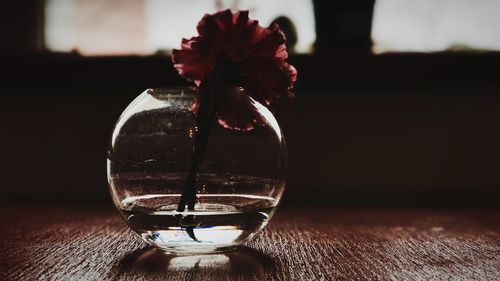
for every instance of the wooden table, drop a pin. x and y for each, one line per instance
(75, 242)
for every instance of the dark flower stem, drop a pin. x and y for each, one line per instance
(204, 119)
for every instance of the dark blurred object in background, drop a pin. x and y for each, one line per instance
(288, 28)
(343, 26)
(21, 27)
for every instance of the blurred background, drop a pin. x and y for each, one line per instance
(397, 102)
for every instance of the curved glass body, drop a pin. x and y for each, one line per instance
(239, 184)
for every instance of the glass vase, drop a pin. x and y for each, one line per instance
(239, 183)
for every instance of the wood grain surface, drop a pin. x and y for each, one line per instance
(316, 243)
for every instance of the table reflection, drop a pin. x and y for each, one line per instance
(242, 261)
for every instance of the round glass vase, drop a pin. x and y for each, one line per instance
(239, 184)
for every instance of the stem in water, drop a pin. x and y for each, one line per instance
(204, 120)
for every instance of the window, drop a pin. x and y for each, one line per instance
(104, 27)
(124, 27)
(436, 25)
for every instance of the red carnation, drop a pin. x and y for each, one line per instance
(233, 50)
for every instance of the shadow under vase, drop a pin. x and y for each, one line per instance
(151, 262)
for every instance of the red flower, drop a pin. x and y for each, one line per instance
(234, 50)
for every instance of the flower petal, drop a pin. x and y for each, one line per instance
(237, 111)
(237, 51)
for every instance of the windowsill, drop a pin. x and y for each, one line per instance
(60, 70)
